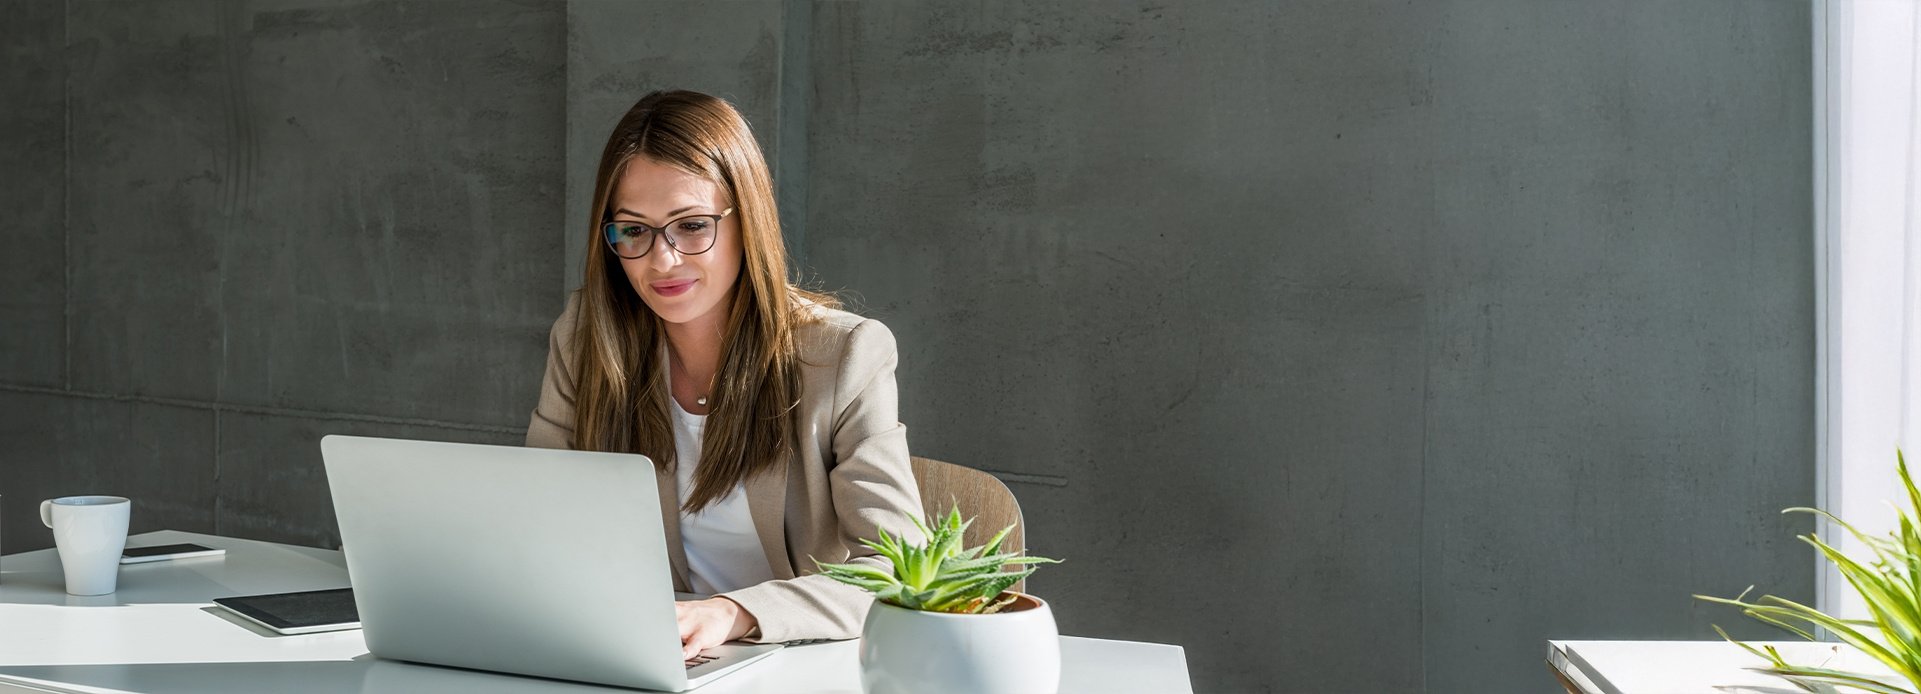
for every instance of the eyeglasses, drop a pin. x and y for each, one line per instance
(690, 235)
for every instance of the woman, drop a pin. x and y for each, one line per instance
(769, 414)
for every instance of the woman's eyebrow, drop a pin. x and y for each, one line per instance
(643, 217)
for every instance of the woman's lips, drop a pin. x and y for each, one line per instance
(672, 287)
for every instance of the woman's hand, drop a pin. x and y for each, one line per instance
(708, 623)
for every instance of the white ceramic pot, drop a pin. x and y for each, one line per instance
(906, 651)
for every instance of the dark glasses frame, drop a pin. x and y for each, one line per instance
(610, 230)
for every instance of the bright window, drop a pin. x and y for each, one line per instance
(1868, 212)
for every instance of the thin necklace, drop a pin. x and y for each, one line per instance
(701, 398)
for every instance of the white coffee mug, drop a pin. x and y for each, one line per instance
(90, 532)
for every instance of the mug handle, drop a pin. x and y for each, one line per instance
(46, 512)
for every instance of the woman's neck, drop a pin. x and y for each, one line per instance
(696, 345)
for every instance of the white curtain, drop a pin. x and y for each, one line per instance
(1868, 241)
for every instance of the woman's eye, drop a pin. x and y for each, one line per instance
(694, 227)
(633, 231)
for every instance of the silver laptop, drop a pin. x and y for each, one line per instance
(524, 560)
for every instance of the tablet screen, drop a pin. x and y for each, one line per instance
(305, 610)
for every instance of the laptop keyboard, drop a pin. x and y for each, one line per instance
(700, 660)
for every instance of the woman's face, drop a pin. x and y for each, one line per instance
(679, 288)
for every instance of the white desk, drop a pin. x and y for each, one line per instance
(1693, 667)
(160, 633)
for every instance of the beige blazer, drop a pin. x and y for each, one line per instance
(849, 477)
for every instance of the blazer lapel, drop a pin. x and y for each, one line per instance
(670, 521)
(767, 502)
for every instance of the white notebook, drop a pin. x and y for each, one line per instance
(1696, 667)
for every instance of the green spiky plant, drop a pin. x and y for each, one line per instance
(940, 576)
(1891, 587)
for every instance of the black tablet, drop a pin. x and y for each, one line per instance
(142, 555)
(304, 612)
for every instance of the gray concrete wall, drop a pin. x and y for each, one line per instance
(244, 225)
(1352, 346)
(1620, 330)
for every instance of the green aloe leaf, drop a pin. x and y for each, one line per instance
(1889, 585)
(993, 546)
(940, 574)
(960, 566)
(982, 588)
(862, 571)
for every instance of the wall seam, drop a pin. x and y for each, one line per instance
(222, 407)
(219, 409)
(66, 195)
(567, 237)
(1026, 478)
(230, 194)
(1420, 516)
(217, 491)
(794, 89)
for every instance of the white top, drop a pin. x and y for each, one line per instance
(723, 551)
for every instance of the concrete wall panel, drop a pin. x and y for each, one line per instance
(159, 456)
(273, 485)
(1621, 354)
(403, 166)
(33, 134)
(154, 191)
(1108, 279)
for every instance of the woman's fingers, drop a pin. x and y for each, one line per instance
(701, 639)
(701, 628)
(708, 623)
(688, 620)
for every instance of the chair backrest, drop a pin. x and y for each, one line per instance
(981, 496)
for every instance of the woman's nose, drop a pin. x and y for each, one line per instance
(663, 256)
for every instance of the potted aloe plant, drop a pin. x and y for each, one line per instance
(944, 621)
(1890, 584)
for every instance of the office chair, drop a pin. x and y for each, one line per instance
(981, 496)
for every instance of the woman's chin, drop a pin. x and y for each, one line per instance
(680, 309)
(668, 314)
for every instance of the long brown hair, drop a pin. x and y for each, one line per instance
(621, 394)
